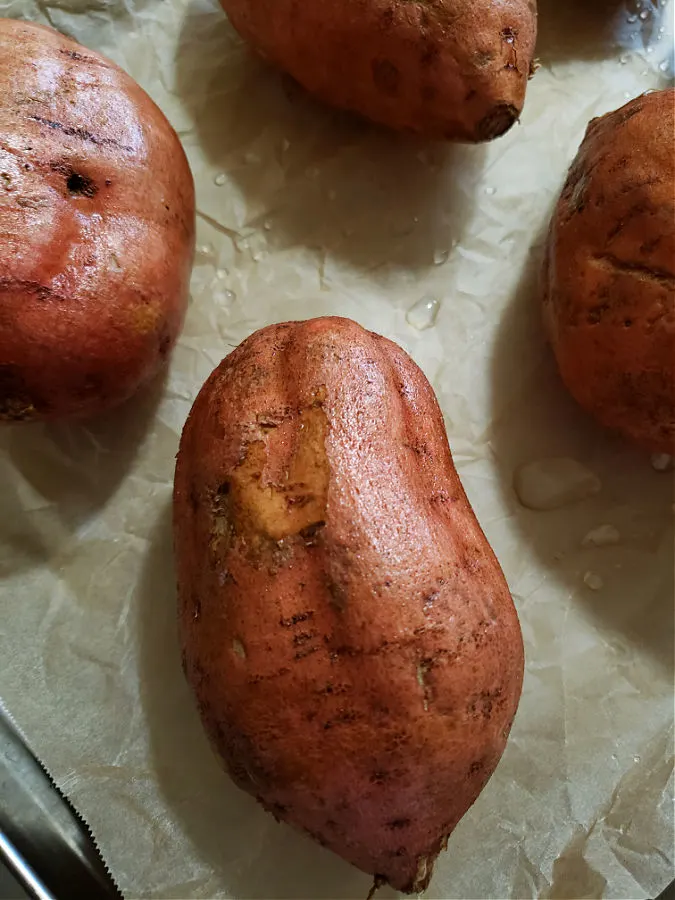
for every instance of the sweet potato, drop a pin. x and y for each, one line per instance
(96, 229)
(346, 629)
(609, 275)
(454, 69)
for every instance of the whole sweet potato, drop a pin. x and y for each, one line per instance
(609, 277)
(96, 229)
(454, 69)
(346, 628)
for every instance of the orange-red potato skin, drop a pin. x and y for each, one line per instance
(356, 657)
(96, 229)
(453, 69)
(609, 276)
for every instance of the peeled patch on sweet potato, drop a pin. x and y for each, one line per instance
(609, 279)
(97, 221)
(454, 69)
(346, 629)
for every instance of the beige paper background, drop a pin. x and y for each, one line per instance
(318, 214)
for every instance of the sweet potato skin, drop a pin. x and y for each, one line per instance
(346, 629)
(96, 229)
(609, 275)
(454, 69)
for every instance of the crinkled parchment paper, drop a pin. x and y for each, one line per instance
(305, 212)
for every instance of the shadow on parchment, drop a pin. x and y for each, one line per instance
(74, 468)
(247, 851)
(542, 420)
(315, 176)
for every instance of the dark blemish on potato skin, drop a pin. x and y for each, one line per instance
(303, 637)
(386, 76)
(398, 823)
(388, 17)
(429, 55)
(165, 344)
(76, 183)
(483, 58)
(497, 122)
(80, 133)
(307, 651)
(298, 617)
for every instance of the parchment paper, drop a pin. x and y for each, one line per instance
(305, 212)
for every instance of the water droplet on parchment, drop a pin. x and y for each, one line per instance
(422, 315)
(662, 462)
(553, 483)
(602, 536)
(220, 179)
(593, 581)
(440, 256)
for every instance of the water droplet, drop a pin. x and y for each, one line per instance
(221, 273)
(602, 536)
(631, 18)
(624, 59)
(593, 581)
(663, 67)
(553, 483)
(422, 315)
(490, 191)
(636, 759)
(649, 49)
(257, 255)
(229, 296)
(440, 256)
(267, 225)
(645, 14)
(614, 756)
(662, 462)
(220, 179)
(205, 251)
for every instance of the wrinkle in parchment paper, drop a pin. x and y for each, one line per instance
(304, 211)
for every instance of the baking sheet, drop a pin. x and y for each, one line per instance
(304, 212)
